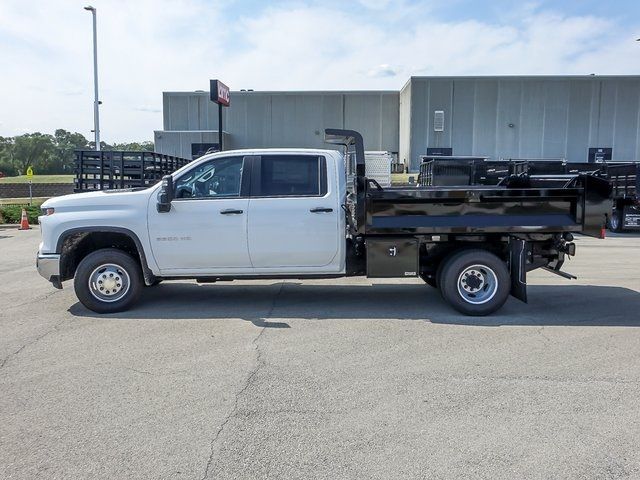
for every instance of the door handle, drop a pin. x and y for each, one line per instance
(231, 211)
(321, 210)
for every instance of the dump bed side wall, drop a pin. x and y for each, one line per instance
(473, 211)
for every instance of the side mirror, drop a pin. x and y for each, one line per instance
(166, 194)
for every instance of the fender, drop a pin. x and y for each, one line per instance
(149, 277)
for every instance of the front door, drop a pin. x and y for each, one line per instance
(294, 223)
(205, 232)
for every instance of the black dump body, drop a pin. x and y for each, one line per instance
(519, 204)
(577, 205)
(624, 177)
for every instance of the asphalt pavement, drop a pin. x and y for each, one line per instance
(326, 379)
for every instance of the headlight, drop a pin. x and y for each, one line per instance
(47, 211)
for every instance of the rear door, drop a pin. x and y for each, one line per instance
(294, 223)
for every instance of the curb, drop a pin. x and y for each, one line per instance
(16, 226)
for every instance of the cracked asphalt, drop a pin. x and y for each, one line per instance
(326, 379)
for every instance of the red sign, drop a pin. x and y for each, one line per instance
(219, 92)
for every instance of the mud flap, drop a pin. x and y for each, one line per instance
(518, 268)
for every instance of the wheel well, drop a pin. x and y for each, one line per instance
(431, 256)
(78, 245)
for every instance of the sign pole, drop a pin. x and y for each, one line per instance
(219, 93)
(220, 126)
(30, 178)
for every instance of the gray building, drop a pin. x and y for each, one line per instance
(277, 119)
(497, 117)
(521, 117)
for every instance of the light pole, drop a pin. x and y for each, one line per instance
(96, 102)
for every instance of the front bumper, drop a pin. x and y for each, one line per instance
(48, 265)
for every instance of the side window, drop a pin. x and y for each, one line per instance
(292, 175)
(221, 177)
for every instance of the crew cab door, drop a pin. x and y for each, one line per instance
(205, 232)
(294, 223)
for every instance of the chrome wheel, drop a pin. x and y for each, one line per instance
(109, 282)
(477, 284)
(614, 221)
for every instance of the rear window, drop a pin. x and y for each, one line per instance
(292, 175)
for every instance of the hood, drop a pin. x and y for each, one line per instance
(98, 198)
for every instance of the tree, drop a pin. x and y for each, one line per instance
(33, 149)
(134, 146)
(51, 154)
(65, 144)
(6, 156)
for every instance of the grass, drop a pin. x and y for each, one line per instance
(22, 201)
(39, 179)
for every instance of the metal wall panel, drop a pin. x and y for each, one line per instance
(404, 128)
(284, 119)
(523, 117)
(626, 120)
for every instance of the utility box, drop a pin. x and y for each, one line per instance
(387, 258)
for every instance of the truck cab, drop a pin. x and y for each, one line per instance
(251, 213)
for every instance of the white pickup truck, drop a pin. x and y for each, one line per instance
(309, 213)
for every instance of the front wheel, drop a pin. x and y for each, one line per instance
(475, 282)
(108, 281)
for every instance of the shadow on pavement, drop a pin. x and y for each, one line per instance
(580, 305)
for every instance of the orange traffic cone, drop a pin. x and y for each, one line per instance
(24, 221)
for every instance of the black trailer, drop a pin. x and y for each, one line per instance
(459, 238)
(110, 169)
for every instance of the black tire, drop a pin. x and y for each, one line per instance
(118, 266)
(489, 278)
(615, 221)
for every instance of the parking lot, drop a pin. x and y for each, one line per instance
(323, 379)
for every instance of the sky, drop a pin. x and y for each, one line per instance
(146, 47)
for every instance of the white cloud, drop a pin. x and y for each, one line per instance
(384, 70)
(147, 46)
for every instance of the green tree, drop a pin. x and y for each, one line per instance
(33, 149)
(65, 145)
(6, 156)
(134, 146)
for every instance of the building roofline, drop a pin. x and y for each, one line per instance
(514, 77)
(293, 92)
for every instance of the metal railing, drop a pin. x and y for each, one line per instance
(106, 170)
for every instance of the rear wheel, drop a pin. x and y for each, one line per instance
(475, 282)
(615, 222)
(108, 281)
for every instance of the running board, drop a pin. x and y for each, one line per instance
(566, 275)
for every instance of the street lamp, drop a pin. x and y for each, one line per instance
(96, 102)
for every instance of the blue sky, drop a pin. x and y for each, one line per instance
(150, 46)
